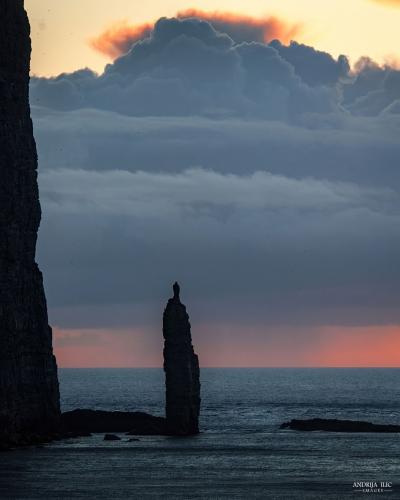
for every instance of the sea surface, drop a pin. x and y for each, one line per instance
(241, 452)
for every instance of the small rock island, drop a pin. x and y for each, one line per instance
(334, 425)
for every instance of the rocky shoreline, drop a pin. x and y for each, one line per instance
(181, 367)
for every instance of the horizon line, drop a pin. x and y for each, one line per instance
(226, 367)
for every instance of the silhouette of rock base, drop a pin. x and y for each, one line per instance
(333, 425)
(81, 422)
(111, 437)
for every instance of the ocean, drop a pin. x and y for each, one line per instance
(241, 452)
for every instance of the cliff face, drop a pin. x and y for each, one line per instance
(29, 397)
(181, 366)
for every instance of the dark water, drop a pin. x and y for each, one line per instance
(241, 452)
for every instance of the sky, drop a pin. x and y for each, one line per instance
(248, 154)
(356, 28)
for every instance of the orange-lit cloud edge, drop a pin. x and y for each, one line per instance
(120, 36)
(370, 346)
(393, 3)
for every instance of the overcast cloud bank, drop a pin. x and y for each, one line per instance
(263, 176)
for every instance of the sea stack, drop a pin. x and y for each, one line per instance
(29, 396)
(181, 366)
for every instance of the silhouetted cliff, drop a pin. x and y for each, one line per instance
(29, 397)
(181, 366)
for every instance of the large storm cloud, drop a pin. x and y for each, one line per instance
(185, 67)
(263, 176)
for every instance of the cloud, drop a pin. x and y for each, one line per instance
(314, 67)
(382, 96)
(120, 37)
(186, 68)
(242, 28)
(263, 176)
(322, 149)
(302, 246)
(196, 191)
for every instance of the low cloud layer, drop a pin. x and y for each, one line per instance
(360, 150)
(119, 237)
(263, 176)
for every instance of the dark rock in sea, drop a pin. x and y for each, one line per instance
(182, 374)
(181, 366)
(29, 396)
(79, 422)
(111, 437)
(332, 425)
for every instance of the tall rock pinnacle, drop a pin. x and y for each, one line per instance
(181, 366)
(29, 397)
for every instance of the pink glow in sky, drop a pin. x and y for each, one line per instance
(325, 347)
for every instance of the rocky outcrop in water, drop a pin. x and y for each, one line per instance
(182, 376)
(181, 366)
(334, 425)
(83, 422)
(29, 398)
